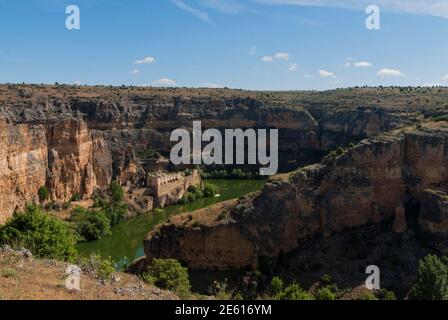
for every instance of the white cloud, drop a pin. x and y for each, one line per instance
(326, 74)
(134, 72)
(445, 77)
(201, 15)
(267, 59)
(164, 82)
(293, 67)
(252, 51)
(278, 56)
(282, 56)
(385, 72)
(348, 64)
(211, 85)
(310, 76)
(362, 64)
(438, 8)
(224, 6)
(147, 60)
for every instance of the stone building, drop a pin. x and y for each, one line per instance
(169, 188)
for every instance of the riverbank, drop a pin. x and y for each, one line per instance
(126, 242)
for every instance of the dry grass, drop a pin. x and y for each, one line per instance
(27, 279)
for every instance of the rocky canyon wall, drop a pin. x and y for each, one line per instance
(64, 156)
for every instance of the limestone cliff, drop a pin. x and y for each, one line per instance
(64, 156)
(23, 165)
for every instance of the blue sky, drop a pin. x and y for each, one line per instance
(252, 44)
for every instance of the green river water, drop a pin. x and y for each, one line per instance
(126, 242)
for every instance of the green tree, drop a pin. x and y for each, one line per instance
(432, 280)
(43, 194)
(44, 236)
(117, 192)
(168, 274)
(325, 293)
(91, 224)
(294, 292)
(276, 285)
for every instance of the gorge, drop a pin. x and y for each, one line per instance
(351, 159)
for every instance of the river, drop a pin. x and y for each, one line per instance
(126, 242)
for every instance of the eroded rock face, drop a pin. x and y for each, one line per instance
(64, 156)
(372, 182)
(23, 165)
(70, 157)
(203, 245)
(434, 212)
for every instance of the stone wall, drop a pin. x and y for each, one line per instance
(169, 188)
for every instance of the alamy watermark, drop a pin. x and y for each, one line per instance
(73, 280)
(373, 280)
(373, 21)
(73, 21)
(189, 150)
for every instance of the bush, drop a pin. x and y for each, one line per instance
(432, 280)
(43, 194)
(384, 294)
(294, 292)
(117, 192)
(276, 285)
(326, 279)
(91, 224)
(115, 212)
(76, 197)
(44, 236)
(325, 293)
(210, 190)
(101, 268)
(367, 296)
(168, 274)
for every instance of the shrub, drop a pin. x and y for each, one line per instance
(221, 290)
(91, 224)
(432, 280)
(367, 295)
(276, 285)
(210, 190)
(326, 279)
(43, 194)
(384, 294)
(76, 197)
(294, 292)
(117, 192)
(325, 293)
(114, 212)
(101, 268)
(168, 274)
(44, 236)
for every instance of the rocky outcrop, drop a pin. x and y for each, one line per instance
(434, 212)
(204, 241)
(23, 165)
(380, 179)
(64, 156)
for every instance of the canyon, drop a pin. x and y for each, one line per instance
(76, 140)
(349, 159)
